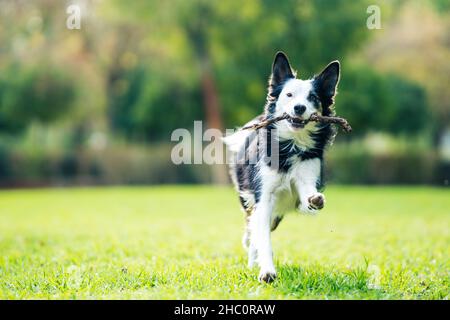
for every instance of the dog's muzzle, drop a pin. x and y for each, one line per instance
(297, 122)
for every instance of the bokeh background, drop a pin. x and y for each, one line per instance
(97, 105)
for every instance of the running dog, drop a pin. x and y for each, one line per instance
(287, 171)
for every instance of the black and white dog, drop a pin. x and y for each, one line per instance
(268, 191)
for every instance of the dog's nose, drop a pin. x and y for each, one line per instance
(299, 109)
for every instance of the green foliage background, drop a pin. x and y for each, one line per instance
(134, 72)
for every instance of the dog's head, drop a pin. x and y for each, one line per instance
(300, 98)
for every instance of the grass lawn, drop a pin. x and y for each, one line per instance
(185, 242)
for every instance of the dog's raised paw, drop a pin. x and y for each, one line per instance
(267, 277)
(316, 201)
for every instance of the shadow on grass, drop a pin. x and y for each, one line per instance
(321, 282)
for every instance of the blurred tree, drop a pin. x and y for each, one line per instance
(47, 70)
(230, 51)
(37, 94)
(166, 59)
(381, 102)
(138, 70)
(415, 44)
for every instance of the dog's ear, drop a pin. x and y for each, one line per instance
(281, 71)
(327, 81)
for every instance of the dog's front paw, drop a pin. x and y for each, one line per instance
(316, 202)
(267, 276)
(312, 204)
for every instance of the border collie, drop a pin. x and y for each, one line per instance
(268, 191)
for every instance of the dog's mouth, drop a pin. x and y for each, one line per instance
(297, 123)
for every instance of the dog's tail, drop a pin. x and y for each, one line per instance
(236, 141)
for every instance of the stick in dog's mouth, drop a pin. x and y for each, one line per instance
(302, 122)
(297, 122)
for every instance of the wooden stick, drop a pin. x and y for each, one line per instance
(314, 117)
(337, 120)
(266, 122)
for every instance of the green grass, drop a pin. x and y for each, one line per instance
(184, 242)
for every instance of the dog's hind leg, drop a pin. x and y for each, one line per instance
(252, 255)
(275, 222)
(247, 209)
(246, 238)
(246, 235)
(246, 243)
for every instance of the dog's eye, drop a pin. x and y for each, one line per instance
(313, 98)
(289, 94)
